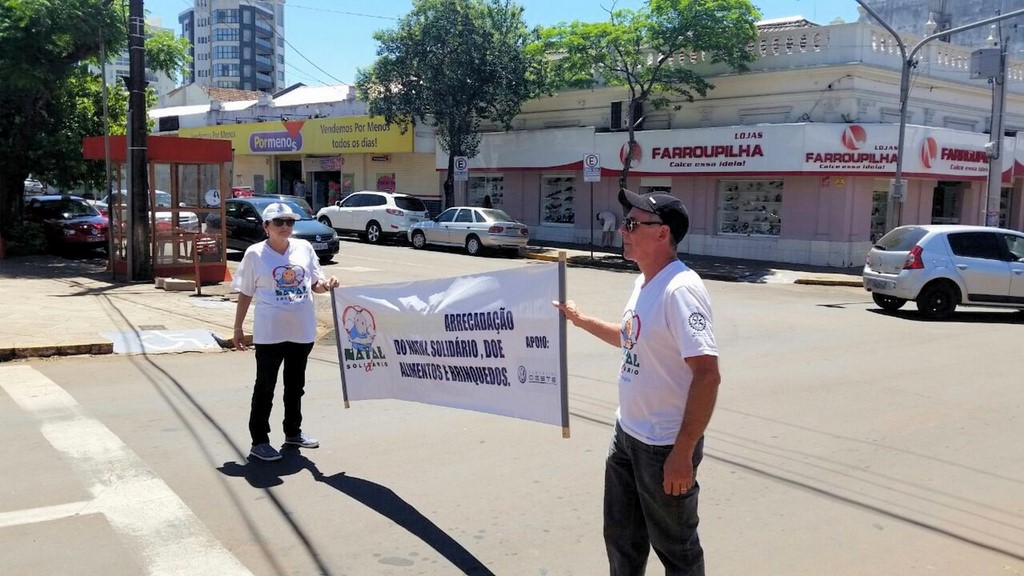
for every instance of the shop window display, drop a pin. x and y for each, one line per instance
(557, 194)
(486, 186)
(750, 207)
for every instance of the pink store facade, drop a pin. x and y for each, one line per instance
(809, 193)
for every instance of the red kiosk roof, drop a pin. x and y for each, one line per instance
(163, 150)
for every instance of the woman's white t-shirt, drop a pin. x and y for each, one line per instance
(665, 321)
(281, 286)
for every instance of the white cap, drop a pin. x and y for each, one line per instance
(279, 210)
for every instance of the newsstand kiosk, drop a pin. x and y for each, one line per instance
(186, 207)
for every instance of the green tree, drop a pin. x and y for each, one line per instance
(638, 49)
(48, 99)
(450, 64)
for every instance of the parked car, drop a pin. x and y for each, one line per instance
(244, 217)
(33, 187)
(68, 222)
(296, 199)
(374, 216)
(472, 228)
(187, 221)
(942, 267)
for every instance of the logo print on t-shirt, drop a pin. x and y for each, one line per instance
(289, 282)
(630, 329)
(698, 322)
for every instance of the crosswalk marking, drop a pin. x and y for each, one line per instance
(45, 514)
(138, 504)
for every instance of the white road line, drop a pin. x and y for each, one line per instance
(45, 514)
(138, 504)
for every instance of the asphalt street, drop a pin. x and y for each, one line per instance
(846, 442)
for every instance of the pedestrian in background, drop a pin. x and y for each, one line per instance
(279, 274)
(487, 202)
(668, 383)
(300, 188)
(608, 225)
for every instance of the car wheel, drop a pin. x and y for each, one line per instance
(418, 240)
(937, 300)
(888, 303)
(473, 246)
(373, 233)
(326, 221)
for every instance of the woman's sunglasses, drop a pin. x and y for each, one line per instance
(630, 223)
(283, 222)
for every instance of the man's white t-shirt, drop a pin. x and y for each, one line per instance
(665, 322)
(281, 286)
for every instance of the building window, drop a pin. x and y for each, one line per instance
(247, 17)
(556, 197)
(226, 16)
(750, 207)
(225, 35)
(280, 42)
(247, 35)
(225, 52)
(492, 185)
(280, 58)
(225, 70)
(280, 76)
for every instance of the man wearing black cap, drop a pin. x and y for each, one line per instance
(668, 382)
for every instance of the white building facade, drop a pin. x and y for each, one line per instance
(236, 44)
(788, 162)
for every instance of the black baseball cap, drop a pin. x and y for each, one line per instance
(669, 208)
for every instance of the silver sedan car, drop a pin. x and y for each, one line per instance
(475, 229)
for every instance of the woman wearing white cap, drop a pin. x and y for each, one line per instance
(279, 274)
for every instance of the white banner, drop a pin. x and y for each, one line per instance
(489, 343)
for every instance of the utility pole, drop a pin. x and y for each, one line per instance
(140, 263)
(995, 146)
(898, 186)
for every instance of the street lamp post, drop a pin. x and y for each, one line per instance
(897, 188)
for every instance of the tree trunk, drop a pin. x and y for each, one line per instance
(12, 198)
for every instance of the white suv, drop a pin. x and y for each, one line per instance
(941, 267)
(374, 215)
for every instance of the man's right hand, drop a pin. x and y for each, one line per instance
(239, 339)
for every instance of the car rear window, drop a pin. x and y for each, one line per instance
(410, 203)
(901, 239)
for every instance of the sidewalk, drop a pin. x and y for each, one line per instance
(57, 306)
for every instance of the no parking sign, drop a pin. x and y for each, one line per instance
(592, 168)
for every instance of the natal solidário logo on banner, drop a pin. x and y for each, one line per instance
(361, 330)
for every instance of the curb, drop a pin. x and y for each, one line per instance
(829, 282)
(44, 351)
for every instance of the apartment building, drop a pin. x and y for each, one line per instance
(236, 44)
(117, 67)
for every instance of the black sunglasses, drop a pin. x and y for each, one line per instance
(630, 223)
(283, 222)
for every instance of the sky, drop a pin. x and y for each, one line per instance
(331, 39)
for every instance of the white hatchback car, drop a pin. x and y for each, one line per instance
(941, 267)
(472, 228)
(374, 216)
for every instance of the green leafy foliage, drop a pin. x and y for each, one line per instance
(49, 101)
(640, 50)
(451, 64)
